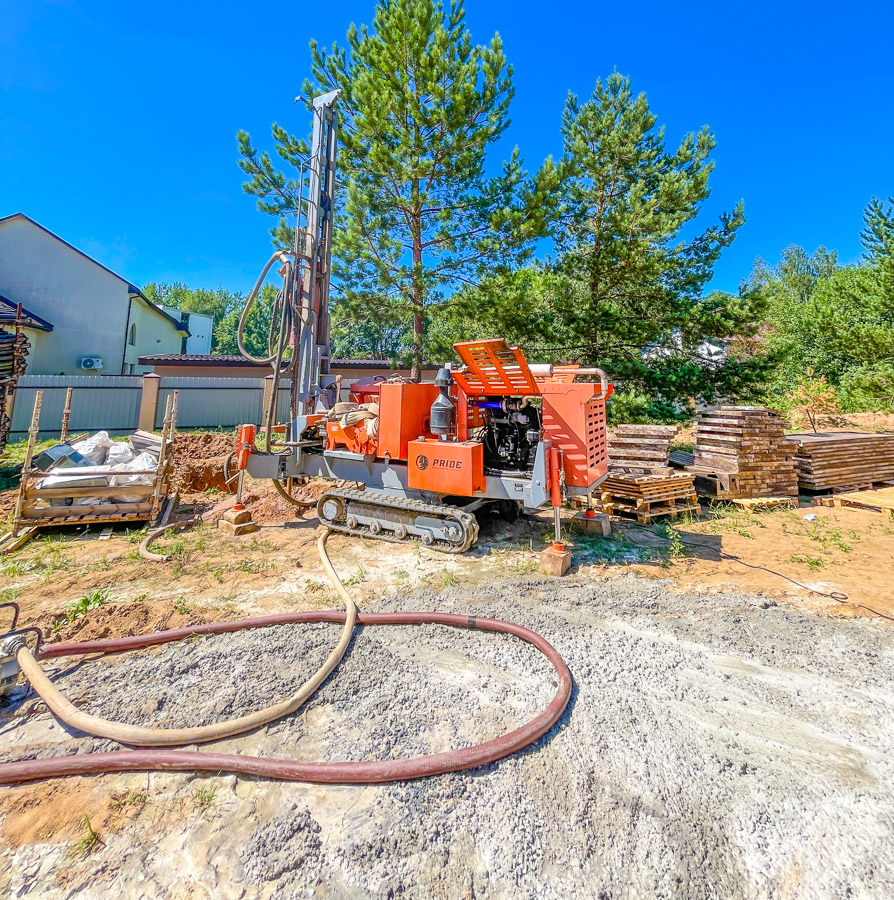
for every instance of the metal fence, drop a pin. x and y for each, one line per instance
(110, 403)
(212, 402)
(113, 403)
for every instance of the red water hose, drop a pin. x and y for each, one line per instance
(377, 771)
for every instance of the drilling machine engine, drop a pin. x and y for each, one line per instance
(492, 432)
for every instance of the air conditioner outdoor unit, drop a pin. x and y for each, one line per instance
(91, 362)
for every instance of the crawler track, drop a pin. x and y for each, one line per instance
(396, 519)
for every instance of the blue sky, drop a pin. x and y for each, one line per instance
(118, 120)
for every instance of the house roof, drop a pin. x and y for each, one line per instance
(239, 362)
(132, 289)
(8, 314)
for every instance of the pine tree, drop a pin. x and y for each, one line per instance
(878, 242)
(418, 214)
(629, 283)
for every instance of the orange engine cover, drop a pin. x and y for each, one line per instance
(404, 411)
(575, 422)
(446, 467)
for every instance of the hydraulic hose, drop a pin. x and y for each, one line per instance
(301, 504)
(377, 771)
(139, 736)
(278, 256)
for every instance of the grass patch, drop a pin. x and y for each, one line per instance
(180, 606)
(203, 797)
(256, 565)
(812, 562)
(13, 568)
(88, 844)
(447, 578)
(357, 578)
(87, 603)
(134, 535)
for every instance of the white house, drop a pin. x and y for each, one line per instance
(85, 317)
(201, 328)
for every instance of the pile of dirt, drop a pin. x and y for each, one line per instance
(268, 506)
(124, 618)
(8, 502)
(197, 462)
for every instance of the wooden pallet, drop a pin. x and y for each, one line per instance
(645, 511)
(879, 501)
(648, 496)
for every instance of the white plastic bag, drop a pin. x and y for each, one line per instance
(119, 454)
(142, 463)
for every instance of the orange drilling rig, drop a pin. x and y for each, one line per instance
(493, 431)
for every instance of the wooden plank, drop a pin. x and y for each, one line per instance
(751, 503)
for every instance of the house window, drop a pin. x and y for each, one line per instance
(132, 340)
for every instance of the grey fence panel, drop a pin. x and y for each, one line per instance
(283, 405)
(212, 402)
(98, 402)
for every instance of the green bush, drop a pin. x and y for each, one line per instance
(632, 408)
(868, 388)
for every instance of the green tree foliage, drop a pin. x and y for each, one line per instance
(632, 267)
(878, 242)
(220, 304)
(626, 291)
(835, 320)
(811, 398)
(257, 326)
(868, 388)
(419, 213)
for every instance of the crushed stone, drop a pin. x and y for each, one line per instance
(715, 745)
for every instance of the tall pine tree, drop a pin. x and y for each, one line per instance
(631, 270)
(419, 214)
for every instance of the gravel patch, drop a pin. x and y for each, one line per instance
(716, 745)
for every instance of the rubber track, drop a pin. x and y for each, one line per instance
(466, 520)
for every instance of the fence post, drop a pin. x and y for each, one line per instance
(265, 403)
(149, 401)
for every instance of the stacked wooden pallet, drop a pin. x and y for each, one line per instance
(649, 496)
(745, 449)
(839, 459)
(640, 449)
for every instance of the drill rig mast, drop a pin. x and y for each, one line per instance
(495, 431)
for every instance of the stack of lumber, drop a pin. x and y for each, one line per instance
(838, 459)
(649, 496)
(746, 447)
(640, 449)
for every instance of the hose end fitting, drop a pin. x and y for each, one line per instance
(11, 644)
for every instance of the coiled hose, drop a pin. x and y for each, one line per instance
(377, 771)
